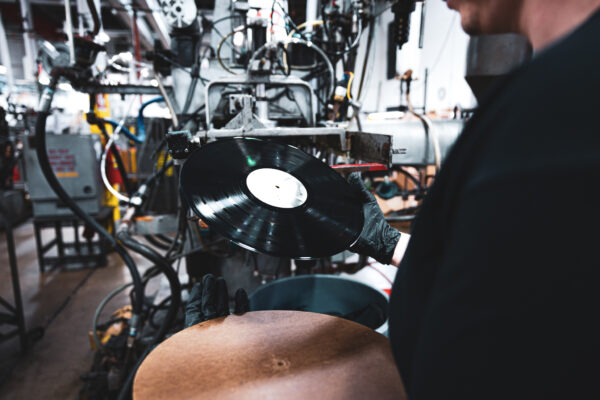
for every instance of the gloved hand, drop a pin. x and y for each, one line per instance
(209, 299)
(378, 239)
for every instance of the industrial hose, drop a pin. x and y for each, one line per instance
(141, 126)
(117, 157)
(173, 279)
(95, 17)
(125, 131)
(167, 269)
(157, 243)
(40, 136)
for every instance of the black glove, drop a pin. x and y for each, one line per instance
(378, 239)
(209, 299)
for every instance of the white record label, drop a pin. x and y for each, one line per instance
(276, 188)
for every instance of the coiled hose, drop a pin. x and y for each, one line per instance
(40, 136)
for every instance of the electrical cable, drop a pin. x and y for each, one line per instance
(164, 238)
(126, 388)
(348, 94)
(107, 184)
(190, 95)
(159, 172)
(366, 59)
(156, 243)
(236, 30)
(429, 130)
(95, 18)
(309, 45)
(409, 176)
(40, 135)
(291, 34)
(99, 309)
(141, 126)
(117, 157)
(123, 130)
(227, 17)
(165, 95)
(173, 279)
(354, 43)
(166, 268)
(181, 227)
(304, 25)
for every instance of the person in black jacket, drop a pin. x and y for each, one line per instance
(498, 286)
(498, 291)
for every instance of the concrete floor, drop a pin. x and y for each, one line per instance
(62, 301)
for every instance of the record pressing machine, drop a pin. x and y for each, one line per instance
(265, 120)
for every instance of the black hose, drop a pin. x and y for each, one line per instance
(181, 228)
(173, 279)
(153, 241)
(366, 61)
(95, 18)
(40, 137)
(411, 178)
(166, 268)
(159, 172)
(125, 392)
(190, 95)
(164, 238)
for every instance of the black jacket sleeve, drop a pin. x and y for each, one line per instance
(513, 311)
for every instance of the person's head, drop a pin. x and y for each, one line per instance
(541, 21)
(481, 17)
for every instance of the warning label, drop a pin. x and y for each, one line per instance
(63, 162)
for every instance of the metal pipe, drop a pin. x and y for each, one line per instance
(165, 95)
(27, 25)
(69, 31)
(136, 41)
(312, 9)
(422, 27)
(5, 57)
(14, 271)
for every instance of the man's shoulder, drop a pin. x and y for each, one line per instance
(546, 117)
(570, 65)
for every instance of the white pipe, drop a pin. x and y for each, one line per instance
(28, 64)
(312, 10)
(110, 142)
(5, 57)
(103, 171)
(164, 93)
(69, 31)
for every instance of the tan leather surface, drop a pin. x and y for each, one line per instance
(271, 355)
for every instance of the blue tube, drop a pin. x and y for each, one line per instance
(141, 127)
(124, 130)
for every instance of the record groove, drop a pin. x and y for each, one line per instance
(314, 213)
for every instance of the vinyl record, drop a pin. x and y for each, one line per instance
(272, 198)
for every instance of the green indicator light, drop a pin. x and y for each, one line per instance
(250, 161)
